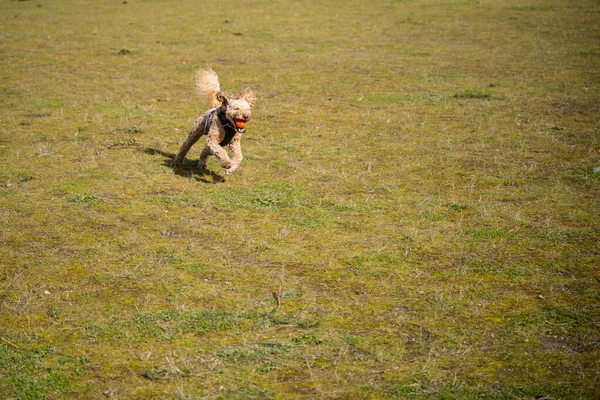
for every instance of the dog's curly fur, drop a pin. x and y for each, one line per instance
(237, 109)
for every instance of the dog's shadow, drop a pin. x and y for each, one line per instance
(188, 168)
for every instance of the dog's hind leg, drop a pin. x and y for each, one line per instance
(193, 137)
(203, 156)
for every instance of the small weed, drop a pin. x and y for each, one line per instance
(504, 356)
(237, 355)
(308, 339)
(435, 217)
(514, 271)
(81, 138)
(166, 256)
(24, 179)
(470, 94)
(155, 373)
(54, 312)
(125, 142)
(194, 267)
(353, 340)
(100, 278)
(267, 201)
(292, 294)
(83, 198)
(130, 129)
(457, 206)
(167, 371)
(509, 182)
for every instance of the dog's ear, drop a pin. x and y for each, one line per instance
(223, 98)
(250, 97)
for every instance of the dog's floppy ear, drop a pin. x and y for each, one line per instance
(250, 97)
(223, 98)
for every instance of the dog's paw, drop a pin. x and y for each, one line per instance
(176, 161)
(232, 169)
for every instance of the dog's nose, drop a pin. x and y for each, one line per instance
(246, 117)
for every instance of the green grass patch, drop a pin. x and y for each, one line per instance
(490, 233)
(39, 373)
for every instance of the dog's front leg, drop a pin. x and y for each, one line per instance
(220, 153)
(237, 156)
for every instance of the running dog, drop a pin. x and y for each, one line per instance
(223, 124)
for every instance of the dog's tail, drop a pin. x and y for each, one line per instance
(208, 86)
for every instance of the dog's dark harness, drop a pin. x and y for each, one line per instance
(227, 126)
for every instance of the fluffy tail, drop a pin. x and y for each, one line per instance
(208, 86)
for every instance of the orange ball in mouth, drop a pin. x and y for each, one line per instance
(241, 123)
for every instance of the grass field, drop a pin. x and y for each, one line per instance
(417, 214)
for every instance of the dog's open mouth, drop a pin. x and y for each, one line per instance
(240, 125)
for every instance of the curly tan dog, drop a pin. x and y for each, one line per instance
(224, 123)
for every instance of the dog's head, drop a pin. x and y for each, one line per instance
(238, 109)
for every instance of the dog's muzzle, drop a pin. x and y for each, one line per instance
(240, 125)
